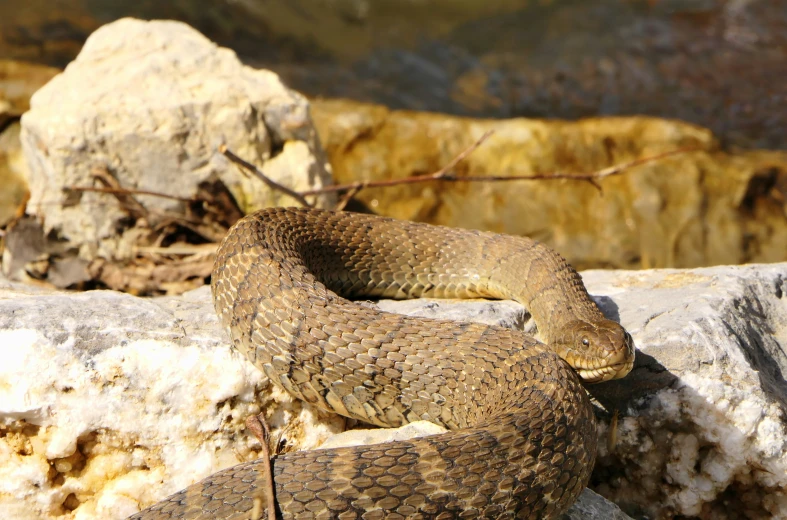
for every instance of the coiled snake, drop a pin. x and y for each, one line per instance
(523, 437)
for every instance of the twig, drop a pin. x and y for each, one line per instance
(126, 198)
(346, 198)
(256, 171)
(443, 172)
(128, 191)
(259, 427)
(132, 206)
(592, 177)
(179, 249)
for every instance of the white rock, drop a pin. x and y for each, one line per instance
(362, 437)
(151, 102)
(702, 429)
(109, 402)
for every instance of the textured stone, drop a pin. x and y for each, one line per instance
(701, 427)
(702, 208)
(116, 401)
(361, 437)
(108, 402)
(151, 102)
(591, 505)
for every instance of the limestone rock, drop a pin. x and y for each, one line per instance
(701, 427)
(591, 505)
(108, 402)
(707, 207)
(505, 313)
(361, 437)
(116, 401)
(150, 102)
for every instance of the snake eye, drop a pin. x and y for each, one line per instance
(586, 342)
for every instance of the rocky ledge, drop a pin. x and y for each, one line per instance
(109, 402)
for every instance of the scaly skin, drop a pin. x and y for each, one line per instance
(523, 437)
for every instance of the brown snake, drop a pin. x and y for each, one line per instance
(523, 437)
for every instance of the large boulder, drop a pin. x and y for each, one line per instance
(114, 401)
(700, 422)
(145, 107)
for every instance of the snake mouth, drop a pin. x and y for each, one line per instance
(605, 373)
(595, 370)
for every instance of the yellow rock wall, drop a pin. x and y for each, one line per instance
(701, 208)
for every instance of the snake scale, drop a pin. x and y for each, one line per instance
(522, 437)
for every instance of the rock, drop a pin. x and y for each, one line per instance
(591, 505)
(117, 401)
(18, 81)
(166, 99)
(505, 313)
(361, 437)
(703, 208)
(701, 428)
(13, 171)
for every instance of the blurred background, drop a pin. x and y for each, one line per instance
(398, 88)
(720, 64)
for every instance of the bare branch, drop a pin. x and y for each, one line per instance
(443, 172)
(446, 174)
(128, 191)
(259, 427)
(591, 177)
(264, 178)
(346, 199)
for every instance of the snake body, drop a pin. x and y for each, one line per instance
(523, 438)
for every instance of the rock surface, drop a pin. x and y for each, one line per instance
(18, 81)
(702, 426)
(118, 401)
(112, 401)
(708, 207)
(166, 99)
(13, 172)
(108, 402)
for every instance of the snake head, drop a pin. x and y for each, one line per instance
(599, 351)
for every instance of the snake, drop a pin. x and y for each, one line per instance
(521, 439)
